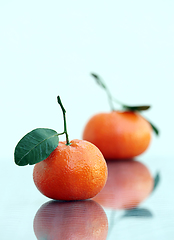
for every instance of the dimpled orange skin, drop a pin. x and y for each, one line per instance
(74, 172)
(118, 135)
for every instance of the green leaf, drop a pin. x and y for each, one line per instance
(35, 146)
(124, 106)
(137, 212)
(156, 181)
(155, 129)
(98, 80)
(137, 108)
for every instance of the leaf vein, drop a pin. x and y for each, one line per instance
(36, 147)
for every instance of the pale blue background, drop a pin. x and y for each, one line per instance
(49, 48)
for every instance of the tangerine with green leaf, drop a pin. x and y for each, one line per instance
(119, 134)
(69, 170)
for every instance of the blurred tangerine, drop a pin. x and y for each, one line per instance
(119, 134)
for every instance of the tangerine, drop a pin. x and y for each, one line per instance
(71, 220)
(119, 134)
(128, 184)
(71, 172)
(66, 170)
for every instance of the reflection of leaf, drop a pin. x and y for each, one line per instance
(137, 212)
(156, 181)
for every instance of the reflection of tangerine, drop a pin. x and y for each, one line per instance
(128, 184)
(71, 220)
(72, 172)
(118, 135)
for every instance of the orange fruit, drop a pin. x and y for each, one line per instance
(119, 134)
(71, 172)
(128, 184)
(71, 220)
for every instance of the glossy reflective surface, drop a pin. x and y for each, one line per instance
(128, 184)
(71, 220)
(127, 208)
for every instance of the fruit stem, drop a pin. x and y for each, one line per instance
(102, 84)
(124, 106)
(64, 119)
(110, 99)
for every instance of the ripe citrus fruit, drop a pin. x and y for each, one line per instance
(71, 172)
(128, 184)
(119, 134)
(71, 220)
(67, 170)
